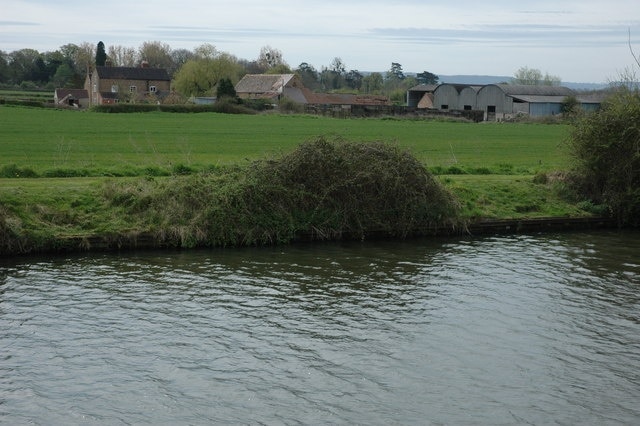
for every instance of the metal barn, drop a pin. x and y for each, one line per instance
(499, 101)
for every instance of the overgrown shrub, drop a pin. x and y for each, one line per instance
(605, 147)
(13, 171)
(357, 188)
(325, 189)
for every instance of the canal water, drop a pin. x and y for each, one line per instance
(525, 329)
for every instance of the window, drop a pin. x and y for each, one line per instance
(444, 106)
(114, 88)
(467, 107)
(491, 108)
(152, 89)
(95, 88)
(132, 89)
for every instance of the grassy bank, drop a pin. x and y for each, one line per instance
(124, 170)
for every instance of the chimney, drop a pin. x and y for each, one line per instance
(144, 64)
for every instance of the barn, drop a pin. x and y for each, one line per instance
(448, 96)
(499, 101)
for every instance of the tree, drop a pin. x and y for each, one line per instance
(4, 67)
(64, 76)
(225, 89)
(395, 72)
(534, 77)
(605, 146)
(570, 107)
(22, 65)
(101, 55)
(156, 53)
(372, 83)
(83, 57)
(426, 77)
(309, 76)
(199, 76)
(122, 56)
(353, 78)
(270, 58)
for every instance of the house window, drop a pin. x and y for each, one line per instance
(444, 107)
(114, 88)
(467, 107)
(491, 108)
(152, 89)
(132, 89)
(95, 88)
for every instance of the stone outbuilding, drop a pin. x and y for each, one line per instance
(76, 98)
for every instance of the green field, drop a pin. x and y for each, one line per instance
(119, 144)
(489, 167)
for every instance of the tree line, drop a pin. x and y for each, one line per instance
(194, 72)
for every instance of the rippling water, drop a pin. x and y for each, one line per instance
(503, 330)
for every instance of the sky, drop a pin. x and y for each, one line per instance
(583, 41)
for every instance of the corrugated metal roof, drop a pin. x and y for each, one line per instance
(539, 99)
(514, 89)
(133, 73)
(423, 88)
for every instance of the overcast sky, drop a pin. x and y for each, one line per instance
(577, 40)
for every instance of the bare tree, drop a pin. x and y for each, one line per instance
(534, 77)
(122, 56)
(156, 53)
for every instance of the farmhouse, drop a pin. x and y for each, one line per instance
(77, 98)
(108, 85)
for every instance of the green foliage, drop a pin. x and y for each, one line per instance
(606, 148)
(356, 189)
(570, 107)
(225, 89)
(13, 171)
(199, 76)
(325, 189)
(101, 55)
(290, 106)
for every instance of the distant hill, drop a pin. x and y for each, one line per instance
(494, 79)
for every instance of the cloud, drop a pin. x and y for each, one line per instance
(509, 35)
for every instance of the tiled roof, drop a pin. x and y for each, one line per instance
(263, 83)
(74, 93)
(133, 73)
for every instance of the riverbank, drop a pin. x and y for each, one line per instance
(72, 215)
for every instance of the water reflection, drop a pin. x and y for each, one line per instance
(517, 329)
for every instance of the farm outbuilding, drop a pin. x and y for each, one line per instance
(462, 97)
(499, 101)
(421, 96)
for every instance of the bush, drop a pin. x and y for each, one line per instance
(325, 189)
(606, 149)
(13, 171)
(356, 189)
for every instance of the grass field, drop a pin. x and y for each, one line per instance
(49, 139)
(488, 166)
